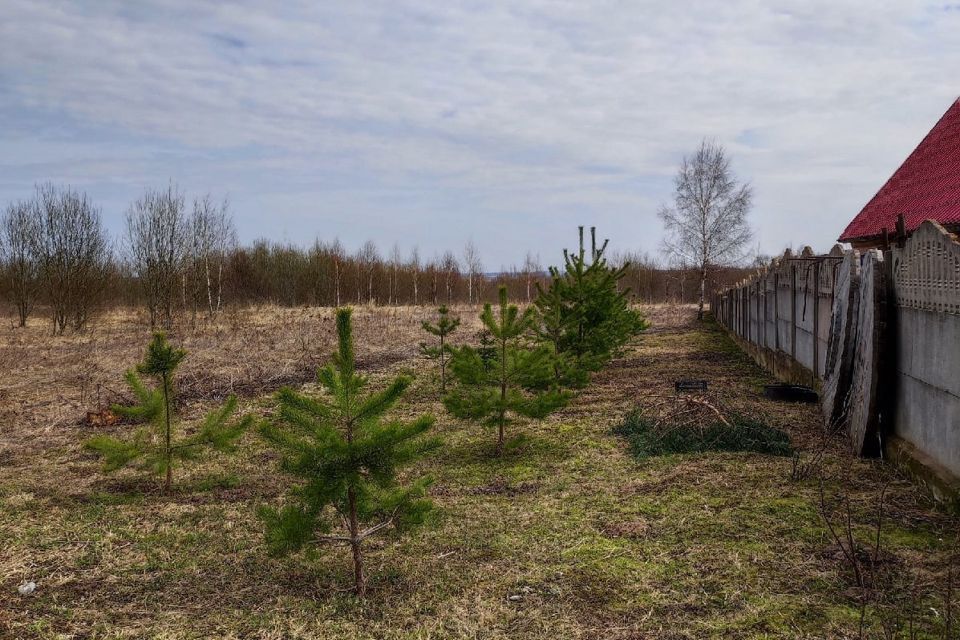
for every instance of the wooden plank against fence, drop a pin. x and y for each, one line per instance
(871, 326)
(839, 362)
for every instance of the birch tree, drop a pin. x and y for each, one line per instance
(74, 254)
(213, 236)
(156, 242)
(450, 268)
(19, 241)
(471, 261)
(707, 227)
(531, 268)
(414, 266)
(396, 263)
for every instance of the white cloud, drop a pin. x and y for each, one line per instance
(472, 110)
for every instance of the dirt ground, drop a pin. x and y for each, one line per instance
(565, 536)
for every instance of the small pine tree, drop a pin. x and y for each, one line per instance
(486, 348)
(446, 324)
(156, 448)
(346, 458)
(518, 381)
(554, 323)
(584, 315)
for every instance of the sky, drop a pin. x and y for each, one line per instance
(505, 123)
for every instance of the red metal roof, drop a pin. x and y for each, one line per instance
(925, 187)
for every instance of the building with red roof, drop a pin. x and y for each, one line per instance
(925, 187)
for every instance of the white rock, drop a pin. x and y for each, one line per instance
(27, 588)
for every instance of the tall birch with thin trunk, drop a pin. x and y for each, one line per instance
(707, 227)
(471, 260)
(213, 237)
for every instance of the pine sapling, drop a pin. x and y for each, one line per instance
(446, 324)
(155, 448)
(345, 457)
(518, 382)
(584, 314)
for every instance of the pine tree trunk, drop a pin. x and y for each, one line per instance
(360, 582)
(168, 449)
(503, 394)
(443, 368)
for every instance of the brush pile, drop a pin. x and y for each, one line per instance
(695, 423)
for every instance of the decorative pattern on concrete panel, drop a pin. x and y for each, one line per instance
(836, 378)
(926, 271)
(871, 327)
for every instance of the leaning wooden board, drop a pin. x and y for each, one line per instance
(871, 325)
(839, 363)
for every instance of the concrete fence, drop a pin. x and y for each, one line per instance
(890, 322)
(782, 314)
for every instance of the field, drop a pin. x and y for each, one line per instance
(566, 536)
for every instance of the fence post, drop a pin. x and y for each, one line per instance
(759, 302)
(793, 310)
(816, 319)
(776, 309)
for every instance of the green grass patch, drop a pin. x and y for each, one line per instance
(647, 439)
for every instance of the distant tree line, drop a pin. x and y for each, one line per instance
(182, 257)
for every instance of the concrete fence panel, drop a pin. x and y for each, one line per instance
(926, 292)
(878, 334)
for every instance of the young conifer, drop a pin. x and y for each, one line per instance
(156, 448)
(517, 383)
(345, 458)
(446, 324)
(583, 314)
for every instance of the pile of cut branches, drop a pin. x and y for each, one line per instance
(696, 423)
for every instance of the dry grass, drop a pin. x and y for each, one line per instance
(566, 536)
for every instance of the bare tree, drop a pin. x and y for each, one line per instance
(451, 269)
(707, 225)
(156, 242)
(74, 254)
(368, 259)
(471, 261)
(213, 236)
(337, 254)
(396, 263)
(531, 269)
(19, 241)
(414, 266)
